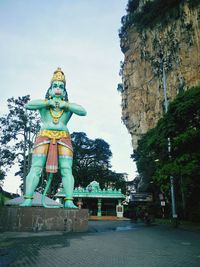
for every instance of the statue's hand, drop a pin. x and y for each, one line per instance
(63, 104)
(51, 103)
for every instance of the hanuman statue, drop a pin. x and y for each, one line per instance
(53, 147)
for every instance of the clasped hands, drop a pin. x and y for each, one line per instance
(58, 104)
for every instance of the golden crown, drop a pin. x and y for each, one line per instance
(58, 75)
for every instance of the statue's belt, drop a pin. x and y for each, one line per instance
(54, 135)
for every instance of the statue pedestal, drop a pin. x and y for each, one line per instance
(37, 219)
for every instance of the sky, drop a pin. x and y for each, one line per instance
(81, 37)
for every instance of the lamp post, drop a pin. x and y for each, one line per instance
(173, 204)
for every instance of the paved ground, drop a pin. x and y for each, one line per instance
(107, 244)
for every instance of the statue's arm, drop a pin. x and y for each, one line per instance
(36, 104)
(76, 109)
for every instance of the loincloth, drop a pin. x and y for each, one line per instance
(53, 144)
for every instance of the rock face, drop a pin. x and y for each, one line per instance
(167, 53)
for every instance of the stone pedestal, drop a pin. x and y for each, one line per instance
(36, 219)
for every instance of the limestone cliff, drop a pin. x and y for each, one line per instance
(166, 51)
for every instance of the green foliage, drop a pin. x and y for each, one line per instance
(132, 6)
(182, 125)
(5, 196)
(92, 162)
(152, 12)
(193, 3)
(2, 199)
(157, 11)
(6, 160)
(18, 129)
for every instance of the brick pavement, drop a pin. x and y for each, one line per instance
(108, 244)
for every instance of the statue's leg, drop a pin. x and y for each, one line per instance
(65, 165)
(32, 179)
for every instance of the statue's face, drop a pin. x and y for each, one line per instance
(57, 89)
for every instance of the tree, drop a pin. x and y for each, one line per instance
(6, 161)
(19, 128)
(182, 125)
(92, 162)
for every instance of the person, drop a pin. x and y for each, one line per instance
(53, 146)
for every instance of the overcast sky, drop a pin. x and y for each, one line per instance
(81, 37)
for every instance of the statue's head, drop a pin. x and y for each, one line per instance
(57, 88)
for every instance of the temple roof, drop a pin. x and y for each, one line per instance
(93, 190)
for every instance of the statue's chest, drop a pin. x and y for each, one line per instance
(56, 115)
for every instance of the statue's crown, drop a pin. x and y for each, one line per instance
(58, 75)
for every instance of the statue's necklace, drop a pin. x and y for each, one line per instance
(56, 116)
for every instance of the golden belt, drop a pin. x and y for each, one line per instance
(54, 135)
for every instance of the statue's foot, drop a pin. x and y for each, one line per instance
(70, 205)
(26, 203)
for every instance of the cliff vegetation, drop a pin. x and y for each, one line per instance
(182, 125)
(161, 45)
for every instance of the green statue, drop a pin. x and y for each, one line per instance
(53, 146)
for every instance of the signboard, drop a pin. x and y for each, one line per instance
(141, 197)
(162, 203)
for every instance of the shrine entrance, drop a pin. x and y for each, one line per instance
(106, 202)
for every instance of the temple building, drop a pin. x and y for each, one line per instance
(106, 202)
